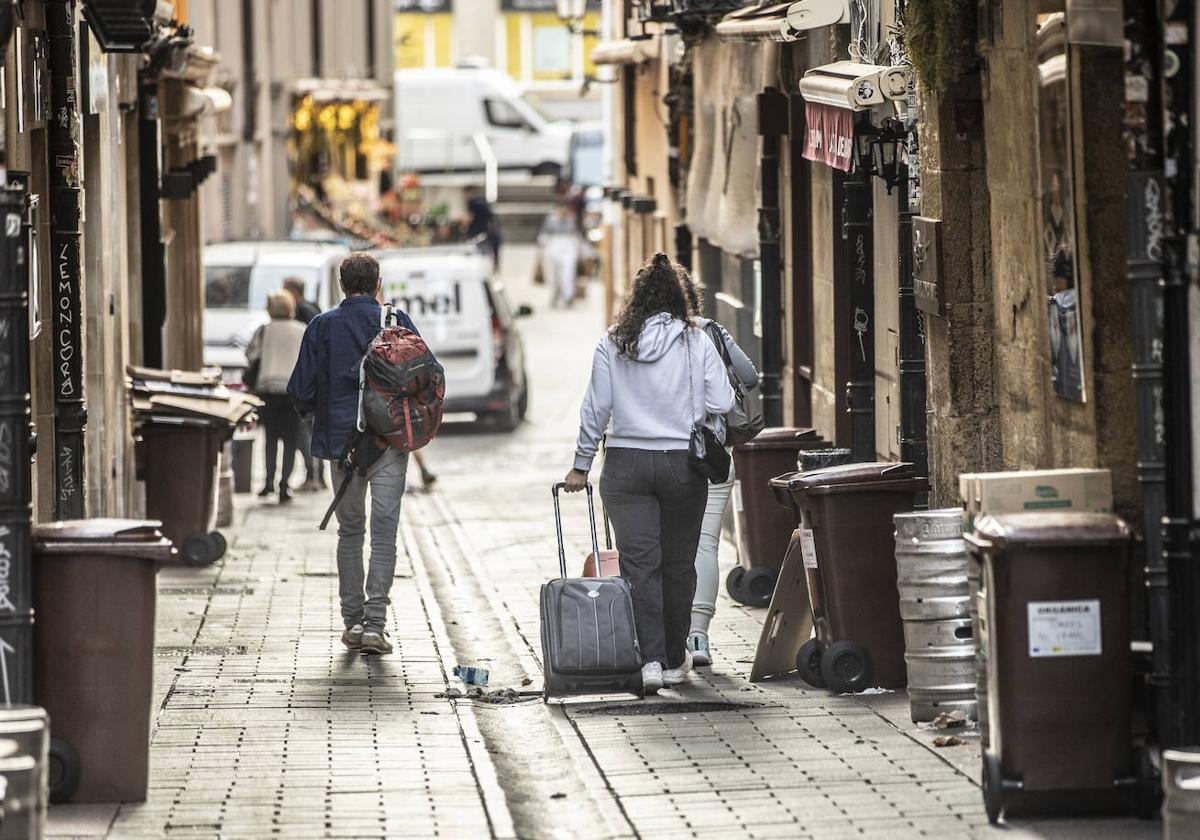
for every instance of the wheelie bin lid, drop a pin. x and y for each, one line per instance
(781, 437)
(850, 478)
(998, 531)
(116, 537)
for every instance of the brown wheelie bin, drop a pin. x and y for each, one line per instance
(1056, 613)
(179, 465)
(95, 596)
(762, 526)
(848, 547)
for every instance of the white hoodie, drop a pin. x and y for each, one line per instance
(647, 398)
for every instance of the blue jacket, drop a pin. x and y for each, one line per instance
(325, 379)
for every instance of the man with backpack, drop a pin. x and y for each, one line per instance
(326, 383)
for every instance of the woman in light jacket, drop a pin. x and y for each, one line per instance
(654, 378)
(275, 347)
(704, 605)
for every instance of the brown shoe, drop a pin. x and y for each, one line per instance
(352, 637)
(375, 641)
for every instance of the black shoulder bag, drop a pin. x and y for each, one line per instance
(706, 455)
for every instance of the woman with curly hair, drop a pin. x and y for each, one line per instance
(654, 378)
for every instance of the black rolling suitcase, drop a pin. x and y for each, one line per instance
(589, 641)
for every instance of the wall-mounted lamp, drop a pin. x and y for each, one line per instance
(572, 13)
(879, 150)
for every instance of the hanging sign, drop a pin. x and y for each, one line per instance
(928, 280)
(829, 135)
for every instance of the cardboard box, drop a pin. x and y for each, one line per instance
(1034, 490)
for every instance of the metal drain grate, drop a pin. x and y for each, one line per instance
(696, 707)
(205, 590)
(167, 651)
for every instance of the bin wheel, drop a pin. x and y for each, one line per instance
(64, 770)
(993, 787)
(219, 544)
(757, 586)
(198, 549)
(1149, 786)
(847, 667)
(808, 663)
(733, 583)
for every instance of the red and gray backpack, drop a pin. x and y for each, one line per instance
(403, 390)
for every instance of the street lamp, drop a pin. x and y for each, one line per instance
(865, 135)
(571, 13)
(887, 149)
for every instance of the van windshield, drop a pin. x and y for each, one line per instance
(537, 108)
(243, 287)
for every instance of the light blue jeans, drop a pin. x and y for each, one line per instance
(708, 568)
(365, 598)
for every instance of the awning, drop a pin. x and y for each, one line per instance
(781, 21)
(625, 51)
(341, 90)
(829, 135)
(848, 84)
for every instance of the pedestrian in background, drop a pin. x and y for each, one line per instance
(272, 352)
(483, 221)
(325, 384)
(306, 310)
(704, 605)
(655, 378)
(558, 248)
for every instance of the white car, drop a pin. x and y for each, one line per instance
(439, 112)
(238, 276)
(468, 322)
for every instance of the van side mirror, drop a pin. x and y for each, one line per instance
(524, 310)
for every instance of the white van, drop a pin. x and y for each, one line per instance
(238, 276)
(468, 322)
(440, 110)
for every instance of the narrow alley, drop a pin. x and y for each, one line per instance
(265, 726)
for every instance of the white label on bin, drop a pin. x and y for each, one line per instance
(1064, 628)
(808, 548)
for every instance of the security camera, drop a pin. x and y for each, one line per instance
(848, 84)
(813, 14)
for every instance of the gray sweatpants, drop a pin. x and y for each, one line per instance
(656, 504)
(365, 598)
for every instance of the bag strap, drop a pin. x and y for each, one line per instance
(687, 349)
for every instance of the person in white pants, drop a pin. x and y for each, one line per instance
(704, 603)
(559, 244)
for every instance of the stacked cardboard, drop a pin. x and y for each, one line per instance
(1034, 490)
(175, 396)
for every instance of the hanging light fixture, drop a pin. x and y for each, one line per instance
(888, 144)
(865, 135)
(570, 11)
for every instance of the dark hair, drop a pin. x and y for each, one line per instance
(655, 289)
(695, 298)
(359, 274)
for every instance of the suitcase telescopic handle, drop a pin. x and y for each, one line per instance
(562, 549)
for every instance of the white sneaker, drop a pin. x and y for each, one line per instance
(697, 644)
(675, 676)
(652, 677)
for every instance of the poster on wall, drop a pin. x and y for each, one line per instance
(1058, 242)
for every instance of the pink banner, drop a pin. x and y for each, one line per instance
(830, 135)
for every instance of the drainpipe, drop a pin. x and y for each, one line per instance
(154, 272)
(70, 409)
(16, 429)
(1146, 210)
(1182, 726)
(860, 390)
(772, 124)
(914, 445)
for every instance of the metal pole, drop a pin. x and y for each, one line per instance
(860, 389)
(914, 444)
(154, 274)
(70, 410)
(1146, 210)
(16, 429)
(1182, 724)
(772, 124)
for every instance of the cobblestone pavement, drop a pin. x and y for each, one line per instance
(265, 727)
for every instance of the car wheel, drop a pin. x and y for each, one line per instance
(509, 418)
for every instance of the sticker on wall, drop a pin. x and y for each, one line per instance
(808, 548)
(1064, 628)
